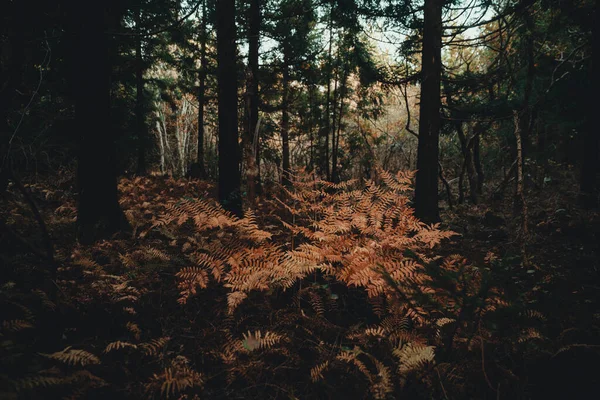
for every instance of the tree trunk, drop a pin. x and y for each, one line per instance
(447, 186)
(202, 95)
(161, 146)
(461, 181)
(520, 205)
(229, 153)
(468, 162)
(336, 139)
(11, 67)
(591, 154)
(98, 212)
(426, 189)
(142, 131)
(311, 115)
(251, 132)
(526, 116)
(477, 161)
(334, 117)
(285, 125)
(327, 99)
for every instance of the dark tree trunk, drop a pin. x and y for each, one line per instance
(285, 125)
(11, 67)
(468, 162)
(311, 115)
(251, 132)
(98, 212)
(202, 95)
(526, 116)
(477, 161)
(591, 153)
(447, 186)
(328, 101)
(336, 139)
(140, 117)
(229, 152)
(334, 116)
(461, 181)
(426, 189)
(333, 129)
(520, 204)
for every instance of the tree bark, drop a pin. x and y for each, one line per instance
(142, 131)
(98, 212)
(526, 116)
(251, 132)
(477, 161)
(333, 126)
(426, 189)
(336, 139)
(229, 152)
(591, 154)
(327, 100)
(11, 67)
(202, 94)
(461, 181)
(468, 160)
(520, 205)
(285, 125)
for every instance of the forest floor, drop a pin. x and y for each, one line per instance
(554, 269)
(108, 321)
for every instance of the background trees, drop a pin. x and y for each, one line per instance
(327, 81)
(229, 152)
(110, 112)
(426, 190)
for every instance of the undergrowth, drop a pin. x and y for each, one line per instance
(329, 291)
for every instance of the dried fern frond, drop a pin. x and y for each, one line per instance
(152, 347)
(37, 381)
(16, 325)
(119, 345)
(351, 357)
(257, 340)
(377, 332)
(73, 357)
(46, 302)
(444, 321)
(174, 380)
(413, 357)
(316, 372)
(134, 329)
(383, 385)
(534, 314)
(190, 279)
(530, 334)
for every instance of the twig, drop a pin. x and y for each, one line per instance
(45, 63)
(442, 384)
(161, 30)
(509, 177)
(39, 219)
(446, 184)
(483, 366)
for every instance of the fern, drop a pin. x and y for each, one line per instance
(175, 379)
(152, 347)
(73, 357)
(413, 357)
(316, 373)
(258, 340)
(37, 381)
(16, 325)
(118, 345)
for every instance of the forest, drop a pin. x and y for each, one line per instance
(299, 199)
